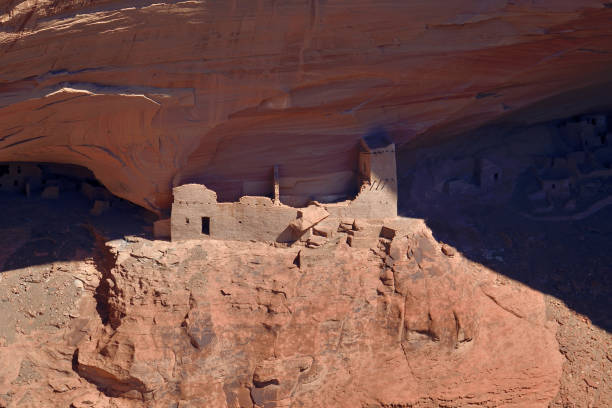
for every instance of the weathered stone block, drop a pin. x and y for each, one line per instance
(362, 242)
(316, 241)
(308, 217)
(327, 227)
(388, 232)
(365, 228)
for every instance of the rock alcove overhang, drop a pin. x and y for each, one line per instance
(149, 96)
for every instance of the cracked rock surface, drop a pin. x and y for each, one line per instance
(240, 325)
(130, 322)
(235, 324)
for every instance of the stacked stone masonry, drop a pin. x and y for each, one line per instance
(197, 214)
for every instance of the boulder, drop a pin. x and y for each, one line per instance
(307, 217)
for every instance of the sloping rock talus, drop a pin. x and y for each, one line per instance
(153, 94)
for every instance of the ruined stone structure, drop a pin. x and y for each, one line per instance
(572, 181)
(196, 213)
(555, 171)
(19, 177)
(377, 197)
(51, 181)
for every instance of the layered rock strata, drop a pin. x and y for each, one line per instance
(153, 95)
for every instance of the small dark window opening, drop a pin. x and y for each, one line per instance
(553, 186)
(496, 176)
(4, 169)
(206, 225)
(186, 220)
(18, 169)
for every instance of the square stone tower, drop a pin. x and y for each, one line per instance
(377, 178)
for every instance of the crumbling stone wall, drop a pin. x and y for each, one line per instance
(377, 198)
(252, 218)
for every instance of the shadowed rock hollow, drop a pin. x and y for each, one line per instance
(151, 95)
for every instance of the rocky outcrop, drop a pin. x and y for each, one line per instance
(407, 322)
(152, 95)
(228, 324)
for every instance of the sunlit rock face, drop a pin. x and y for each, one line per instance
(226, 324)
(149, 95)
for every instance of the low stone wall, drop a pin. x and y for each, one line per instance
(196, 214)
(251, 218)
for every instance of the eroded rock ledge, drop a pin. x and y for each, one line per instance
(229, 324)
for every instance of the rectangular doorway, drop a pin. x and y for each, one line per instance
(205, 225)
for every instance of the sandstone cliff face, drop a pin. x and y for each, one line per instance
(221, 324)
(152, 94)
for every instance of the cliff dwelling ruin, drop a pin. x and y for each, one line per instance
(197, 214)
(305, 204)
(49, 211)
(52, 181)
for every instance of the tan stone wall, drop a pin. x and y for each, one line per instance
(261, 219)
(252, 218)
(382, 164)
(370, 203)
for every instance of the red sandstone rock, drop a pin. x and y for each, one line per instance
(448, 250)
(153, 96)
(191, 323)
(149, 97)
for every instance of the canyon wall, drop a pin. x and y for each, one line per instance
(149, 95)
